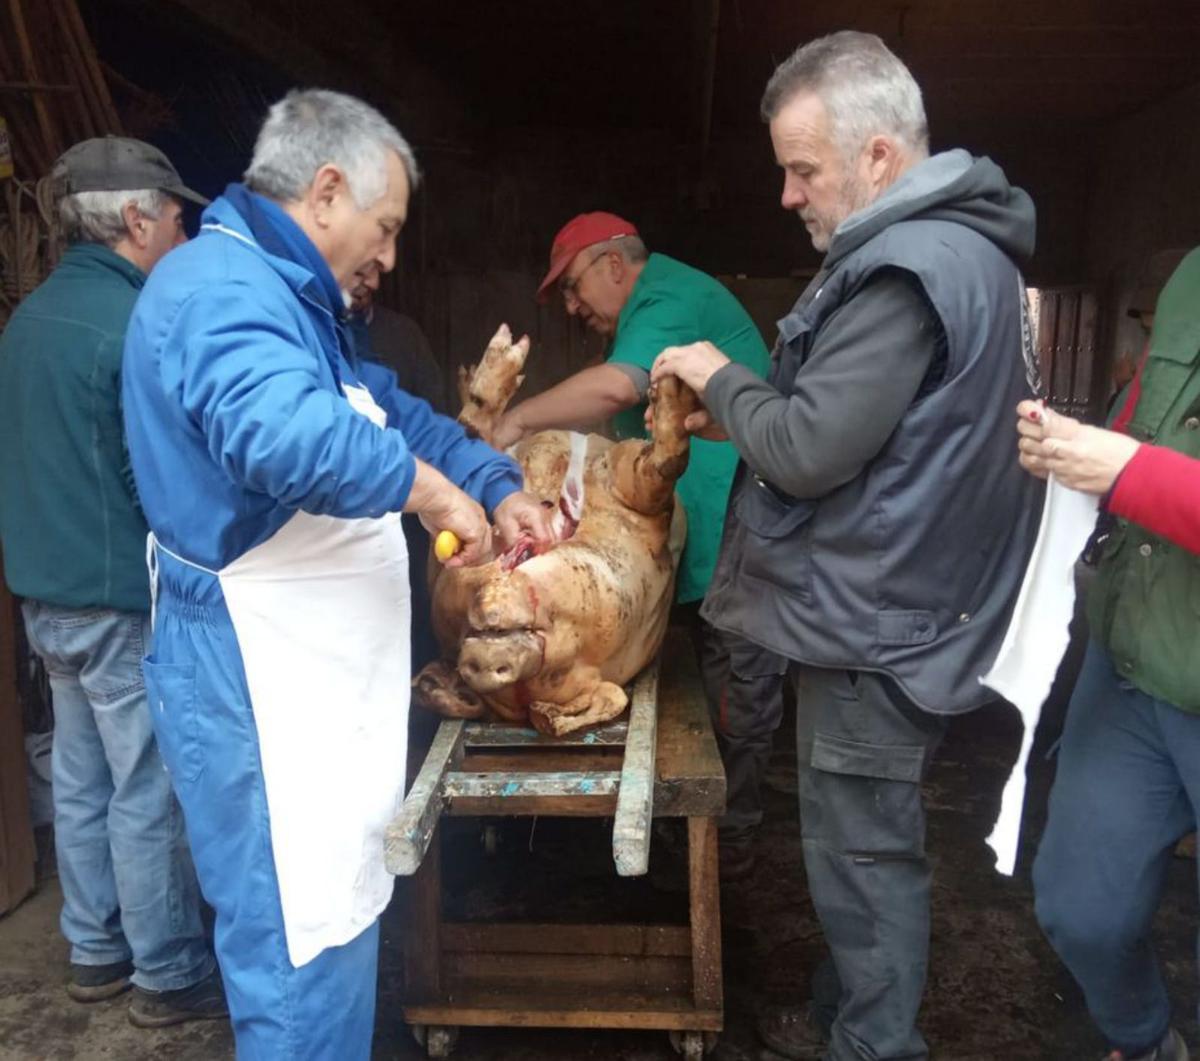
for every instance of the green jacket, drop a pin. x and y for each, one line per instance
(1145, 604)
(71, 529)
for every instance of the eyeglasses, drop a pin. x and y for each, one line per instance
(568, 285)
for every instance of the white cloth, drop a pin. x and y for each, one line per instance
(1036, 641)
(321, 611)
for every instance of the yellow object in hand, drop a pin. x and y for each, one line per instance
(445, 545)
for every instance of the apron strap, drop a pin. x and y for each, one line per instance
(152, 569)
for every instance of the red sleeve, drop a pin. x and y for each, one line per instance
(1159, 489)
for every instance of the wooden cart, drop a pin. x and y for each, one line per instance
(661, 762)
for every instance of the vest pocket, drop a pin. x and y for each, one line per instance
(776, 546)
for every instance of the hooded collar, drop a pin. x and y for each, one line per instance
(950, 186)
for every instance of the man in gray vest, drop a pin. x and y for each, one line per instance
(880, 526)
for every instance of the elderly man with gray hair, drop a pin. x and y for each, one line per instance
(880, 527)
(273, 465)
(74, 546)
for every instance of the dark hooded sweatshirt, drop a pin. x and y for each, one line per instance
(880, 520)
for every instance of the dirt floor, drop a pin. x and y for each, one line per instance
(995, 989)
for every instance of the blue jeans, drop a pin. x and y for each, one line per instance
(129, 888)
(1126, 789)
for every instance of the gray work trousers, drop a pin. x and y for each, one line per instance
(743, 685)
(863, 749)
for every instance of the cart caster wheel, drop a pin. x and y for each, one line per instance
(491, 839)
(436, 1041)
(692, 1046)
(440, 1042)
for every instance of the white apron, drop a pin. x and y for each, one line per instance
(322, 611)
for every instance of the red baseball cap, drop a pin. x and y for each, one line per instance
(582, 231)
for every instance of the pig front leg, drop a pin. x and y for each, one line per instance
(644, 474)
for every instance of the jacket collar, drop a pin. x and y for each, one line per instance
(222, 217)
(95, 257)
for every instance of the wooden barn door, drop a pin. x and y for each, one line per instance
(1066, 324)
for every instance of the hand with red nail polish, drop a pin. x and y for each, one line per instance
(1080, 457)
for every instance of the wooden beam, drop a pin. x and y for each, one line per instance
(17, 853)
(474, 1007)
(50, 140)
(91, 76)
(635, 799)
(540, 784)
(706, 913)
(34, 86)
(536, 938)
(498, 735)
(408, 836)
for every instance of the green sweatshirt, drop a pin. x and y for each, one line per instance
(70, 525)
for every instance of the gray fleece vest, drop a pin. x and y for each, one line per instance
(913, 568)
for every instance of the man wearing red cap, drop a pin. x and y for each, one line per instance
(644, 303)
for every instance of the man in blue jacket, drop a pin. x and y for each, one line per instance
(273, 467)
(74, 548)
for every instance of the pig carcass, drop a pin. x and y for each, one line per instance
(549, 634)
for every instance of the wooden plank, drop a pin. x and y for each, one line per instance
(635, 799)
(17, 853)
(580, 760)
(493, 735)
(534, 806)
(422, 942)
(537, 938)
(30, 68)
(703, 889)
(410, 832)
(576, 974)
(520, 1009)
(690, 780)
(91, 76)
(550, 785)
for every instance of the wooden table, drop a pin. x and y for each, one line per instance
(661, 762)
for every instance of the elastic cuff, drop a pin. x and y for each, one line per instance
(497, 490)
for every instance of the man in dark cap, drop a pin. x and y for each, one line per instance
(74, 542)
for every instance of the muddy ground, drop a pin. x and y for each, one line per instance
(995, 989)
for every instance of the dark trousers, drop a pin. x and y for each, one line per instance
(743, 684)
(1126, 789)
(863, 749)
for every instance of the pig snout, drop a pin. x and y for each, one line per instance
(490, 663)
